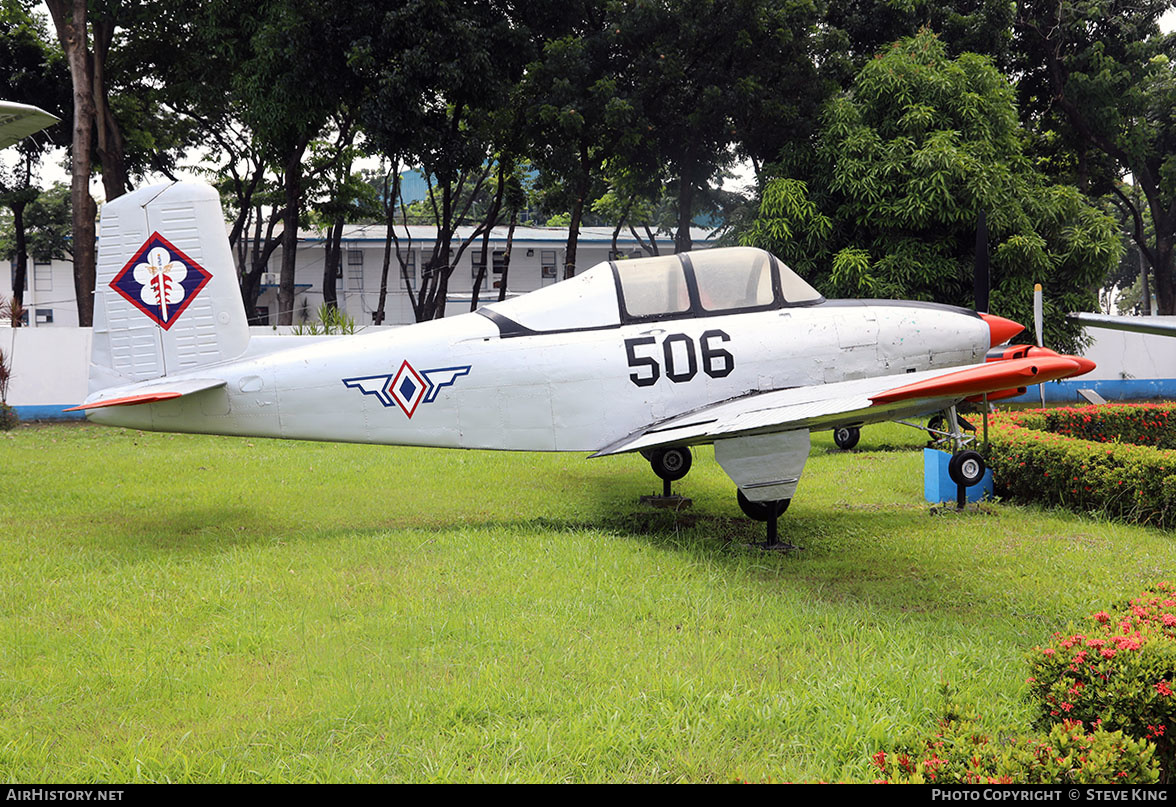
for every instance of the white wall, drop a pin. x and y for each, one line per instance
(1122, 355)
(49, 365)
(48, 288)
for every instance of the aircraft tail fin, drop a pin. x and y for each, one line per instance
(166, 298)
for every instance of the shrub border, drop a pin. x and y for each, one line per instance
(1088, 459)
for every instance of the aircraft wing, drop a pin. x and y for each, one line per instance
(18, 121)
(866, 400)
(147, 393)
(1162, 326)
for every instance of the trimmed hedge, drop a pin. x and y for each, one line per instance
(1119, 460)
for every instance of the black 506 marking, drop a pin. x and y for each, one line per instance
(680, 358)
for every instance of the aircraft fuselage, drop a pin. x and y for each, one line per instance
(469, 382)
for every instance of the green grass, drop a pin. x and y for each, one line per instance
(199, 608)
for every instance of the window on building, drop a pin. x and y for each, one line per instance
(354, 272)
(409, 271)
(498, 267)
(547, 261)
(355, 257)
(475, 264)
(44, 316)
(42, 276)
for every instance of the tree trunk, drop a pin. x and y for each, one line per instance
(292, 185)
(390, 191)
(573, 238)
(682, 241)
(514, 219)
(251, 288)
(21, 267)
(582, 188)
(490, 222)
(334, 261)
(1165, 293)
(69, 18)
(110, 146)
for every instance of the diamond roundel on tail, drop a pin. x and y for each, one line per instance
(160, 280)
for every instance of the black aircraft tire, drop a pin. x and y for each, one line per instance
(761, 511)
(966, 468)
(847, 437)
(671, 464)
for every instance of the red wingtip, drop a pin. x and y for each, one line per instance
(1002, 329)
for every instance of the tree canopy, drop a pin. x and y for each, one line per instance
(907, 160)
(877, 130)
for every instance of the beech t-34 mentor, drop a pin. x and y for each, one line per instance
(722, 346)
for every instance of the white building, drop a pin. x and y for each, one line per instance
(537, 258)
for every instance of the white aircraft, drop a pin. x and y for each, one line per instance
(722, 346)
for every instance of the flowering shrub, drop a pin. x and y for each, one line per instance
(1117, 672)
(961, 753)
(1111, 459)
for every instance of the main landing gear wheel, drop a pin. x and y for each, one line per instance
(966, 468)
(767, 512)
(847, 437)
(670, 464)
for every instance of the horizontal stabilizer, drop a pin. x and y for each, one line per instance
(147, 393)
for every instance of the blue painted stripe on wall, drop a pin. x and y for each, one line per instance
(48, 412)
(1117, 389)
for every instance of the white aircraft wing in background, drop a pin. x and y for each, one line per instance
(1161, 326)
(18, 121)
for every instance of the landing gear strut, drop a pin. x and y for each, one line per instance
(767, 512)
(967, 466)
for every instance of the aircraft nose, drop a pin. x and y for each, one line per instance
(1002, 329)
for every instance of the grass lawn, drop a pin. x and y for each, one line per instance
(183, 608)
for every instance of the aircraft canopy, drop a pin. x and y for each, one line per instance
(705, 282)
